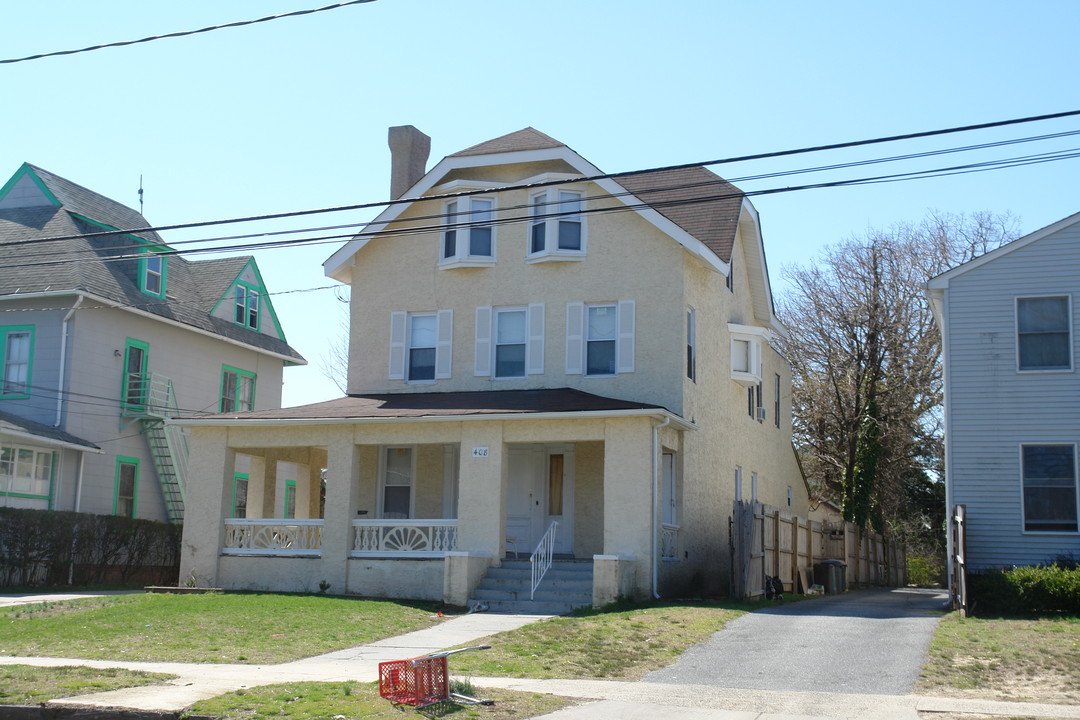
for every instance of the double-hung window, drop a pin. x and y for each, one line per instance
(421, 345)
(247, 307)
(468, 237)
(125, 492)
(16, 350)
(556, 227)
(600, 338)
(691, 345)
(25, 472)
(152, 275)
(1043, 337)
(1049, 487)
(397, 483)
(237, 390)
(509, 341)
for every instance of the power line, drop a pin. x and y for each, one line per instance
(585, 178)
(184, 33)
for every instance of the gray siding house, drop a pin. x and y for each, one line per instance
(105, 334)
(1009, 324)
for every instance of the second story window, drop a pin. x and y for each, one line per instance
(16, 348)
(421, 345)
(509, 341)
(468, 238)
(691, 343)
(237, 390)
(510, 338)
(600, 338)
(1042, 333)
(152, 274)
(556, 228)
(247, 307)
(421, 364)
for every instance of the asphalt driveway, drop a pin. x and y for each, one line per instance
(868, 641)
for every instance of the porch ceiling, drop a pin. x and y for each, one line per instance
(448, 405)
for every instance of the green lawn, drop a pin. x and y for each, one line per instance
(210, 628)
(27, 685)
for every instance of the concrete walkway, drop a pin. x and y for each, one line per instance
(604, 700)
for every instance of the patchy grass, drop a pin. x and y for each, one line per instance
(28, 685)
(210, 628)
(309, 700)
(623, 643)
(1018, 659)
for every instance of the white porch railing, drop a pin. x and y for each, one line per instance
(403, 538)
(540, 561)
(266, 536)
(669, 542)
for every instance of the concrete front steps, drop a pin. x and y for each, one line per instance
(566, 586)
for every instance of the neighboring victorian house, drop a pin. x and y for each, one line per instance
(579, 366)
(104, 335)
(1012, 420)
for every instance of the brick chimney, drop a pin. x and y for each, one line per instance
(409, 149)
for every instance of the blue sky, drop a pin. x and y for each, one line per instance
(292, 114)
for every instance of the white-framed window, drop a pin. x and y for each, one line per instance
(747, 343)
(25, 472)
(396, 475)
(600, 338)
(1043, 333)
(237, 390)
(421, 345)
(16, 351)
(1049, 487)
(729, 281)
(468, 239)
(556, 226)
(790, 495)
(153, 274)
(691, 344)
(776, 400)
(509, 341)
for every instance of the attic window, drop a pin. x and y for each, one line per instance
(247, 307)
(152, 274)
(556, 228)
(746, 352)
(468, 239)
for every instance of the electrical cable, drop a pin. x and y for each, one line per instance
(184, 33)
(586, 178)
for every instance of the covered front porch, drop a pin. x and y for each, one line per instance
(418, 499)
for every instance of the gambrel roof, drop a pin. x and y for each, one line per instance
(37, 204)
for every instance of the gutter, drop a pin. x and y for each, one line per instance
(655, 562)
(63, 358)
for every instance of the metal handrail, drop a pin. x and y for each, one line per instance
(540, 560)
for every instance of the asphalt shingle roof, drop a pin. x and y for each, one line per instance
(192, 288)
(22, 425)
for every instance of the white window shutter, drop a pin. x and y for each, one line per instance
(397, 344)
(534, 349)
(624, 353)
(444, 344)
(575, 332)
(483, 342)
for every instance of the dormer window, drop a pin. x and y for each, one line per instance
(747, 342)
(152, 274)
(556, 227)
(469, 238)
(247, 307)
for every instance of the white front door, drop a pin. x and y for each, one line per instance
(539, 492)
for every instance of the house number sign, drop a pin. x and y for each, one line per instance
(480, 452)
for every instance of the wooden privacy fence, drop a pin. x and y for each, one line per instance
(768, 541)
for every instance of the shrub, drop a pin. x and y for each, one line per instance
(925, 570)
(1026, 590)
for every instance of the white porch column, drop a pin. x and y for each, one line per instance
(260, 490)
(209, 488)
(628, 510)
(307, 492)
(342, 491)
(482, 490)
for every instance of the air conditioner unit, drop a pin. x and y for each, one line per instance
(761, 414)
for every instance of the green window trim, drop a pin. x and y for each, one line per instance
(9, 455)
(266, 308)
(235, 385)
(247, 301)
(133, 382)
(237, 477)
(121, 462)
(15, 387)
(148, 272)
(146, 248)
(288, 508)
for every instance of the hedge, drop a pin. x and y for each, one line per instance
(51, 548)
(1034, 590)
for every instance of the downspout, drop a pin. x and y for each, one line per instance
(63, 359)
(656, 506)
(78, 481)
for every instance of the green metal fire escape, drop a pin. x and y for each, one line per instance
(149, 401)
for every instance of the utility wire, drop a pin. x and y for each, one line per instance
(654, 204)
(604, 196)
(586, 178)
(184, 33)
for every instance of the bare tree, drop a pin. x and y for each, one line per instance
(335, 363)
(865, 354)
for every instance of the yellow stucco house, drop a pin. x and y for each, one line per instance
(545, 363)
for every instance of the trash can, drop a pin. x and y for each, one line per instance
(832, 574)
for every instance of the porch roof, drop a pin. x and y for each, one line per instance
(30, 431)
(478, 405)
